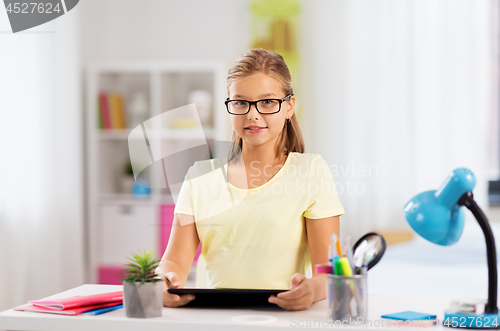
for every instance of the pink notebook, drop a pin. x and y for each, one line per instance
(81, 301)
(74, 311)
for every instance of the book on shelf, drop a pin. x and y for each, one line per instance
(111, 111)
(106, 121)
(116, 111)
(98, 115)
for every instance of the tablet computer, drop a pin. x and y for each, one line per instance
(227, 298)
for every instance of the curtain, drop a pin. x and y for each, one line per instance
(397, 95)
(41, 185)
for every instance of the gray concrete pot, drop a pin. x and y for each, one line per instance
(143, 300)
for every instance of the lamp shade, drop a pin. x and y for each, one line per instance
(435, 215)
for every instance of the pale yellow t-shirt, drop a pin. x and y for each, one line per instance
(256, 238)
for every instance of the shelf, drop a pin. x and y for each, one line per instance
(120, 223)
(181, 134)
(166, 199)
(121, 198)
(126, 199)
(171, 134)
(113, 134)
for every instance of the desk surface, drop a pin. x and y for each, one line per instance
(218, 319)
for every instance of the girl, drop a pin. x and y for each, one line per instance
(268, 212)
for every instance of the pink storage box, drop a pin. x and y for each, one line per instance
(113, 274)
(110, 274)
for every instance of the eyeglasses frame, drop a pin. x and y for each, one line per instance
(250, 103)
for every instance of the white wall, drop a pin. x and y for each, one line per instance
(41, 149)
(380, 80)
(404, 86)
(159, 30)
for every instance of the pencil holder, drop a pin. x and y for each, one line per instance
(347, 298)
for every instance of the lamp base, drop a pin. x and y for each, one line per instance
(471, 321)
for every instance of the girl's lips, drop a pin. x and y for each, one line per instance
(252, 130)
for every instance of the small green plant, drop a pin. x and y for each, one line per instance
(128, 169)
(142, 268)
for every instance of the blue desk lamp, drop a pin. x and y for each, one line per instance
(438, 217)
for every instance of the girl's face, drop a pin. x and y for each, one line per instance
(257, 87)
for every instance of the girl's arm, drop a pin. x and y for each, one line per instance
(319, 233)
(181, 249)
(305, 291)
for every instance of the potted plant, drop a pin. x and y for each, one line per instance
(127, 178)
(142, 287)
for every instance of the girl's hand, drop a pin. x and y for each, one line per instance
(170, 299)
(299, 297)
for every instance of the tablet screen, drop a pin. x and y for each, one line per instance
(227, 298)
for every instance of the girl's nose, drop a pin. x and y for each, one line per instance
(253, 113)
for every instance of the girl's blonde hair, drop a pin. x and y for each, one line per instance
(259, 60)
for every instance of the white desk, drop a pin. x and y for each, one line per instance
(217, 319)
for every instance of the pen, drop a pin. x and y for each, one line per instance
(364, 255)
(358, 259)
(103, 310)
(339, 249)
(346, 267)
(347, 271)
(348, 252)
(338, 283)
(331, 251)
(364, 266)
(338, 266)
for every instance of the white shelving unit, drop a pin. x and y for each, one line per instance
(120, 223)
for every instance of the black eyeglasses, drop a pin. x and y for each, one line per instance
(264, 106)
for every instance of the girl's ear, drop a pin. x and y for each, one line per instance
(291, 107)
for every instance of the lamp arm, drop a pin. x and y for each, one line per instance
(467, 200)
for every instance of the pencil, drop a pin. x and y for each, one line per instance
(339, 249)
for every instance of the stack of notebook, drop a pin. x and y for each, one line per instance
(76, 305)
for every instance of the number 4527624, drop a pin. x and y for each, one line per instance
(33, 7)
(471, 321)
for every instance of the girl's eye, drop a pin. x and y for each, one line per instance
(240, 103)
(267, 102)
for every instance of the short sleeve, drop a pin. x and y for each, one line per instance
(322, 195)
(184, 204)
